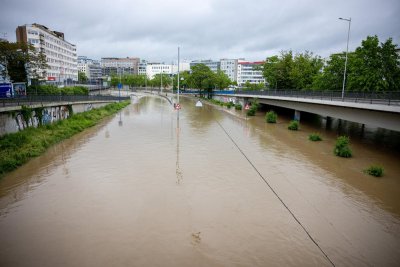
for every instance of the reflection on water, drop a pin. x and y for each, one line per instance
(169, 188)
(179, 176)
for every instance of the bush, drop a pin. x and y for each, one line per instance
(314, 137)
(374, 170)
(251, 111)
(54, 90)
(342, 148)
(229, 104)
(293, 125)
(253, 108)
(271, 117)
(238, 107)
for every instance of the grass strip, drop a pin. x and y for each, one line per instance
(17, 148)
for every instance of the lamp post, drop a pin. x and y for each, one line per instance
(347, 50)
(178, 74)
(161, 78)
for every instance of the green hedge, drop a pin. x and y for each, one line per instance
(54, 90)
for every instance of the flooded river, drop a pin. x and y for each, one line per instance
(207, 188)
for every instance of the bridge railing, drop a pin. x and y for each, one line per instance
(44, 99)
(384, 98)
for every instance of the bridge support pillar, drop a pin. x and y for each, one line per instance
(328, 123)
(297, 115)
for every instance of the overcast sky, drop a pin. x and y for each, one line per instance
(206, 29)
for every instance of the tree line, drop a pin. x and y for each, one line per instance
(372, 67)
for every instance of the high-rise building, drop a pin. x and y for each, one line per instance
(119, 66)
(60, 55)
(250, 72)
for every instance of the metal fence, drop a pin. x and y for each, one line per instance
(46, 99)
(383, 98)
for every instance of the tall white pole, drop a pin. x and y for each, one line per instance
(178, 74)
(161, 77)
(347, 50)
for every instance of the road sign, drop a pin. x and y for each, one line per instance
(247, 107)
(177, 106)
(120, 86)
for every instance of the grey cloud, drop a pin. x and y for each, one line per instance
(254, 29)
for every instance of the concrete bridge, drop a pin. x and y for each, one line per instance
(379, 110)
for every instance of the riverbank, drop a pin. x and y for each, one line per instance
(17, 148)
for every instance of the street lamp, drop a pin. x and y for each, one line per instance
(178, 74)
(347, 50)
(161, 78)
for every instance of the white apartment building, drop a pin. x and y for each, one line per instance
(168, 69)
(247, 72)
(156, 68)
(230, 68)
(60, 55)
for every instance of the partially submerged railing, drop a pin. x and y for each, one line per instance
(30, 100)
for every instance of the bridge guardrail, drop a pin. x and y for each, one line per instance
(383, 98)
(42, 99)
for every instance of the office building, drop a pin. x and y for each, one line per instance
(250, 72)
(229, 67)
(60, 54)
(213, 65)
(119, 66)
(91, 68)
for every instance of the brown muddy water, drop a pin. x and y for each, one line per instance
(148, 189)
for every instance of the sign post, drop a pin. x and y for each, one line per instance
(119, 92)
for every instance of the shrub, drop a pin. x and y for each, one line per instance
(229, 104)
(374, 170)
(342, 148)
(314, 137)
(293, 125)
(271, 117)
(251, 111)
(238, 107)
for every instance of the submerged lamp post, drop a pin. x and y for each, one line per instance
(178, 74)
(347, 50)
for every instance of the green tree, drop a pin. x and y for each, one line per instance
(202, 78)
(222, 80)
(22, 61)
(82, 77)
(390, 65)
(292, 72)
(277, 70)
(305, 67)
(166, 81)
(271, 71)
(372, 67)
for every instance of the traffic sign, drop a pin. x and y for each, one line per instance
(120, 86)
(247, 107)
